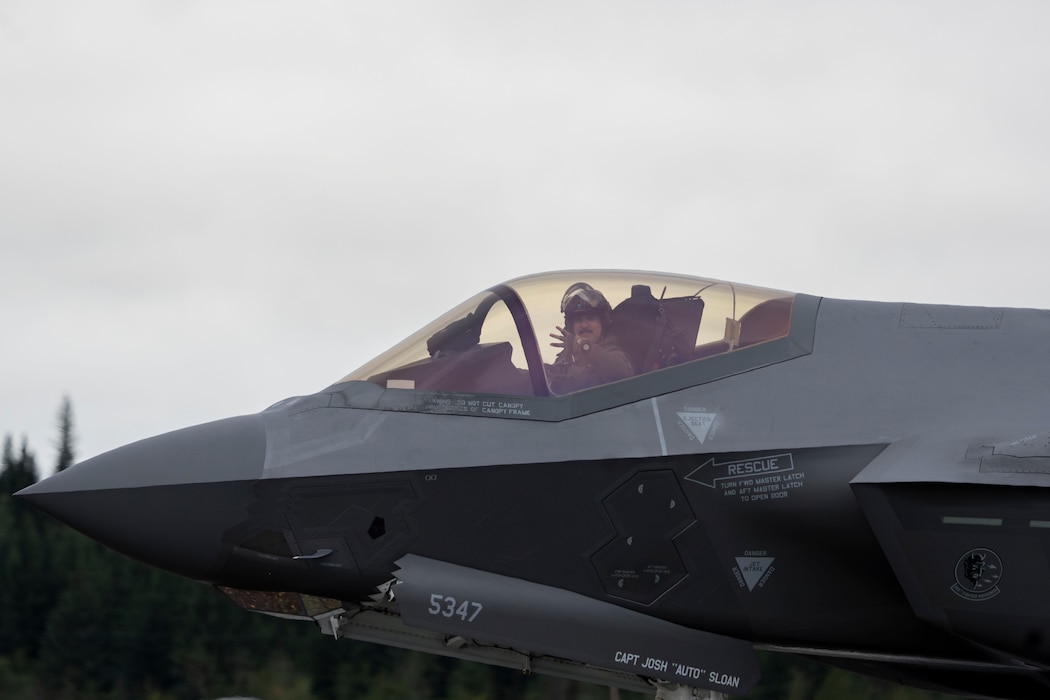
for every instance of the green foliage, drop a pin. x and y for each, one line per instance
(66, 436)
(16, 679)
(28, 587)
(17, 471)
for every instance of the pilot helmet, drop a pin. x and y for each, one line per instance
(582, 298)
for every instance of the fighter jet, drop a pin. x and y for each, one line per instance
(637, 479)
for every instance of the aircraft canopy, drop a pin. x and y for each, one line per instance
(499, 341)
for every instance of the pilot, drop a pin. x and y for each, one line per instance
(590, 355)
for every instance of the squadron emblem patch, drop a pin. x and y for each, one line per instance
(977, 575)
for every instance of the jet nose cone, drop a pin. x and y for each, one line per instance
(165, 500)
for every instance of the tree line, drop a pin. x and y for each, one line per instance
(79, 622)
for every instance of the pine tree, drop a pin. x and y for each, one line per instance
(16, 473)
(20, 555)
(9, 453)
(66, 436)
(8, 467)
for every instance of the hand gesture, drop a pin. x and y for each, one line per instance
(566, 339)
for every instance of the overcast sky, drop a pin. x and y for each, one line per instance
(209, 206)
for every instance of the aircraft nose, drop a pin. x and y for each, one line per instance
(165, 500)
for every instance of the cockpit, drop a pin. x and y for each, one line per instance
(505, 339)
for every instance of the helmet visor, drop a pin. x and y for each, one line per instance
(581, 298)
